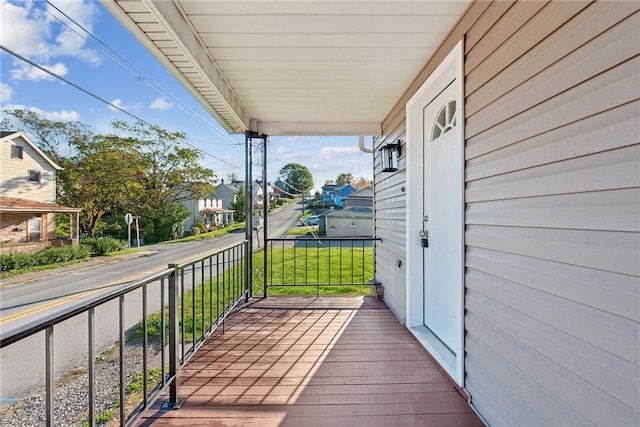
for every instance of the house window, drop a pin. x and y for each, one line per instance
(445, 120)
(34, 176)
(16, 152)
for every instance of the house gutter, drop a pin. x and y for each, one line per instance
(362, 147)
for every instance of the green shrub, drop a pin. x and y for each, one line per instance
(61, 255)
(15, 261)
(21, 261)
(103, 245)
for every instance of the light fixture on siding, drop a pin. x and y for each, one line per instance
(390, 154)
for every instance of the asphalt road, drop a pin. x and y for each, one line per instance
(31, 297)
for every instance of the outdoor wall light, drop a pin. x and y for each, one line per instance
(390, 154)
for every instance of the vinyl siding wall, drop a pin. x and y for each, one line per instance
(390, 210)
(552, 214)
(14, 174)
(552, 211)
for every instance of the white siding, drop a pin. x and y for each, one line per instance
(390, 225)
(14, 174)
(552, 211)
(553, 214)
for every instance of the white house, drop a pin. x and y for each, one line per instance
(509, 228)
(208, 209)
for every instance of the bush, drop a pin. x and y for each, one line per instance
(103, 245)
(21, 261)
(61, 255)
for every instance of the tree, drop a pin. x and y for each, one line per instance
(166, 175)
(297, 178)
(98, 178)
(344, 179)
(144, 171)
(51, 136)
(239, 206)
(362, 182)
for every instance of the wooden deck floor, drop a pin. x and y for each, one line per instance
(290, 361)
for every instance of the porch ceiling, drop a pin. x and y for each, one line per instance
(299, 67)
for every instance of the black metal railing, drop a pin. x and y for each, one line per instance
(191, 300)
(316, 262)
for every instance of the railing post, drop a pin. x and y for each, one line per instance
(92, 366)
(174, 401)
(265, 285)
(50, 380)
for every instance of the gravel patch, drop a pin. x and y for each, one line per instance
(72, 392)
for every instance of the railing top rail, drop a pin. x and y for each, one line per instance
(28, 329)
(323, 239)
(203, 257)
(52, 319)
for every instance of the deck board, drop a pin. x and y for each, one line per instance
(295, 361)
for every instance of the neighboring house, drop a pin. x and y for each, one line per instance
(362, 197)
(28, 196)
(208, 209)
(280, 188)
(258, 194)
(343, 192)
(352, 222)
(510, 228)
(329, 193)
(228, 193)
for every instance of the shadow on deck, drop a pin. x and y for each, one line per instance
(297, 361)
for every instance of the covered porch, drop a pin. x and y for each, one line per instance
(309, 361)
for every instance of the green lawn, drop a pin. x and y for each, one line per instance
(323, 271)
(310, 271)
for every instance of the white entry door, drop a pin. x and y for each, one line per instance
(443, 218)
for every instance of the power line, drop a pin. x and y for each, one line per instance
(141, 76)
(41, 68)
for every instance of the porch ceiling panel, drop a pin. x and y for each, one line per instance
(293, 67)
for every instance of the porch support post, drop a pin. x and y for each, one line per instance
(265, 211)
(248, 217)
(250, 136)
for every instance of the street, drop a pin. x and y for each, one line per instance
(22, 364)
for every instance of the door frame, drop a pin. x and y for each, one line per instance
(452, 67)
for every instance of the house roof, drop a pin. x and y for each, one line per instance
(230, 187)
(14, 204)
(293, 67)
(7, 136)
(353, 212)
(363, 193)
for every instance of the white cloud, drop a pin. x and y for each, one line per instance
(25, 29)
(58, 116)
(35, 34)
(118, 103)
(28, 72)
(326, 153)
(6, 92)
(161, 104)
(286, 153)
(68, 41)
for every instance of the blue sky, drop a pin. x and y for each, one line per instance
(111, 64)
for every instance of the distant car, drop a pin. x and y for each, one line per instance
(311, 220)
